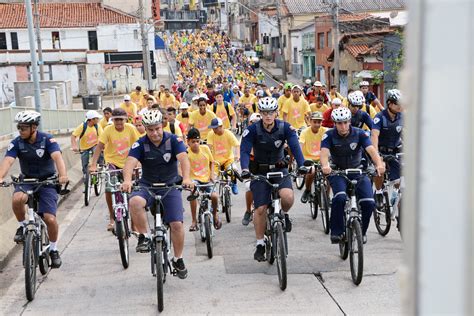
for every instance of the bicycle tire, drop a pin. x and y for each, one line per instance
(281, 256)
(98, 185)
(313, 204)
(228, 207)
(356, 252)
(399, 218)
(208, 230)
(344, 248)
(324, 207)
(87, 190)
(202, 231)
(122, 237)
(300, 181)
(382, 216)
(30, 266)
(44, 259)
(159, 274)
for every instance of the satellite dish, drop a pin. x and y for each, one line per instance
(393, 14)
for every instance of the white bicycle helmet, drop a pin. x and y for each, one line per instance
(341, 114)
(260, 93)
(394, 95)
(152, 117)
(267, 104)
(27, 117)
(363, 83)
(356, 98)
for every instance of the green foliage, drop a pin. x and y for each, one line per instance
(377, 77)
(396, 63)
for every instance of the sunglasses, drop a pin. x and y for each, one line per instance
(118, 119)
(23, 127)
(343, 123)
(267, 113)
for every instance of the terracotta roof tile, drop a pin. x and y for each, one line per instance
(355, 50)
(63, 15)
(322, 6)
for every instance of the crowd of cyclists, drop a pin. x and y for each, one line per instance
(217, 113)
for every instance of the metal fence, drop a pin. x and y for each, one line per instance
(52, 121)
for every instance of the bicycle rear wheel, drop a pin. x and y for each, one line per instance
(122, 235)
(226, 205)
(382, 217)
(280, 255)
(159, 274)
(44, 258)
(356, 252)
(87, 189)
(324, 207)
(30, 265)
(207, 228)
(344, 248)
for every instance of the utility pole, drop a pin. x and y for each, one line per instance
(282, 51)
(38, 41)
(34, 61)
(145, 49)
(335, 41)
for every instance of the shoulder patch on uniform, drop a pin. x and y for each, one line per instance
(40, 152)
(399, 128)
(179, 139)
(278, 143)
(52, 140)
(376, 120)
(135, 145)
(292, 128)
(246, 132)
(353, 146)
(10, 147)
(324, 136)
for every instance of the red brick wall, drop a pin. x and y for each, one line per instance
(323, 25)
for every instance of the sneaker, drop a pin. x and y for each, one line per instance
(336, 239)
(19, 235)
(180, 268)
(247, 218)
(235, 189)
(288, 224)
(55, 259)
(364, 239)
(379, 200)
(259, 254)
(305, 196)
(144, 244)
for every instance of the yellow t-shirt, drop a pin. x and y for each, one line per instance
(90, 137)
(222, 146)
(222, 114)
(248, 101)
(136, 96)
(166, 102)
(177, 130)
(296, 112)
(117, 144)
(200, 164)
(132, 110)
(322, 108)
(201, 122)
(372, 110)
(103, 122)
(281, 100)
(184, 120)
(311, 142)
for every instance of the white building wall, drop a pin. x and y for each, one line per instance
(67, 72)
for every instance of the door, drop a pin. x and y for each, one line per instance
(343, 84)
(82, 75)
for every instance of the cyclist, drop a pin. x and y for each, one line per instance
(319, 106)
(183, 116)
(105, 120)
(38, 154)
(202, 172)
(307, 86)
(115, 141)
(201, 119)
(327, 120)
(345, 145)
(255, 117)
(370, 97)
(386, 136)
(248, 101)
(137, 122)
(88, 134)
(129, 107)
(224, 110)
(167, 99)
(360, 119)
(267, 138)
(283, 98)
(296, 109)
(333, 93)
(136, 95)
(159, 153)
(223, 143)
(310, 140)
(170, 124)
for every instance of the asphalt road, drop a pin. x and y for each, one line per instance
(93, 281)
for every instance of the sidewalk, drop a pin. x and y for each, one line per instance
(275, 72)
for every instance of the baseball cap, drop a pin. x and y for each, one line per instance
(126, 97)
(255, 117)
(317, 116)
(288, 85)
(215, 123)
(119, 113)
(194, 133)
(336, 101)
(91, 114)
(318, 84)
(183, 106)
(296, 87)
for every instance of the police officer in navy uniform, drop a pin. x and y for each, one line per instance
(359, 117)
(39, 155)
(159, 153)
(345, 144)
(386, 136)
(267, 137)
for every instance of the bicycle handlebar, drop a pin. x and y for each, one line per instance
(38, 184)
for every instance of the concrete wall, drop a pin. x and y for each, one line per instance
(7, 78)
(67, 72)
(62, 95)
(350, 64)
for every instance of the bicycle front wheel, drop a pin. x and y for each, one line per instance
(324, 207)
(280, 256)
(87, 189)
(300, 180)
(97, 185)
(30, 265)
(43, 260)
(208, 231)
(382, 217)
(122, 236)
(227, 208)
(356, 252)
(159, 274)
(313, 205)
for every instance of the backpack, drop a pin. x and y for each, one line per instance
(172, 129)
(84, 128)
(226, 106)
(254, 107)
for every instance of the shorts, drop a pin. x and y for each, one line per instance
(172, 203)
(109, 187)
(262, 191)
(393, 169)
(48, 198)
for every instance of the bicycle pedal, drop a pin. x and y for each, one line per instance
(174, 272)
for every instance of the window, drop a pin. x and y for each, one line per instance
(92, 40)
(14, 38)
(135, 34)
(329, 39)
(284, 41)
(3, 40)
(56, 40)
(320, 40)
(295, 55)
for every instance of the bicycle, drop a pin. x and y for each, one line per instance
(352, 241)
(390, 209)
(225, 180)
(91, 180)
(319, 197)
(36, 238)
(205, 217)
(276, 244)
(160, 237)
(299, 179)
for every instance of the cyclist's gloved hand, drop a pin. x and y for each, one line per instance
(245, 174)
